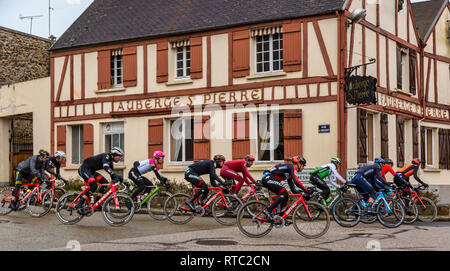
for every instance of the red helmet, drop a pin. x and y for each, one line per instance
(249, 157)
(219, 157)
(415, 161)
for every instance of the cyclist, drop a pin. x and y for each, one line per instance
(202, 167)
(401, 178)
(231, 168)
(387, 168)
(143, 167)
(366, 179)
(55, 162)
(272, 180)
(88, 171)
(31, 169)
(319, 174)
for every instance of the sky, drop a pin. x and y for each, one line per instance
(64, 13)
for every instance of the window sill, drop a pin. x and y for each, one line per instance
(266, 75)
(431, 169)
(401, 92)
(109, 90)
(179, 82)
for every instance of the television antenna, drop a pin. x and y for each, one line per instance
(31, 19)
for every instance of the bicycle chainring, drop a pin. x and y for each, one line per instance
(199, 211)
(278, 221)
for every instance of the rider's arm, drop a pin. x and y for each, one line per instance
(379, 177)
(157, 174)
(294, 181)
(106, 164)
(247, 174)
(338, 176)
(416, 169)
(38, 173)
(213, 176)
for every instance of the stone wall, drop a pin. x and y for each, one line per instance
(23, 57)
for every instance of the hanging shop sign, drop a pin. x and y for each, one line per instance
(361, 90)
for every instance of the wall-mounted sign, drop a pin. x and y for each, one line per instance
(325, 128)
(361, 90)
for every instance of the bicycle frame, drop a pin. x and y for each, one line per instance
(292, 207)
(36, 187)
(156, 188)
(250, 192)
(101, 200)
(211, 199)
(414, 195)
(380, 196)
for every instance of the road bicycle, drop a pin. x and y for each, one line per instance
(310, 219)
(54, 192)
(30, 197)
(416, 207)
(117, 208)
(224, 207)
(154, 200)
(389, 212)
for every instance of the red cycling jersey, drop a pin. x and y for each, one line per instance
(239, 166)
(387, 168)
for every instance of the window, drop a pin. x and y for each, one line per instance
(401, 64)
(113, 136)
(116, 68)
(428, 147)
(77, 144)
(181, 140)
(269, 53)
(183, 62)
(270, 137)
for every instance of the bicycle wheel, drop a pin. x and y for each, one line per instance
(65, 209)
(411, 211)
(118, 215)
(225, 211)
(366, 218)
(6, 197)
(155, 205)
(59, 192)
(251, 220)
(427, 210)
(390, 216)
(38, 207)
(311, 221)
(176, 210)
(346, 212)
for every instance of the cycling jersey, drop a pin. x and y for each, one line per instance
(53, 164)
(98, 162)
(372, 173)
(328, 170)
(32, 166)
(285, 171)
(148, 165)
(409, 170)
(207, 167)
(238, 166)
(387, 168)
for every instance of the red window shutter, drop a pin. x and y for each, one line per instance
(104, 69)
(384, 136)
(448, 149)
(443, 148)
(415, 138)
(162, 62)
(362, 136)
(202, 148)
(61, 139)
(129, 66)
(241, 138)
(88, 140)
(196, 58)
(292, 47)
(155, 135)
(292, 133)
(241, 53)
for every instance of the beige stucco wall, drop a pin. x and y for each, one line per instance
(219, 60)
(26, 97)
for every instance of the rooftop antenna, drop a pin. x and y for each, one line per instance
(31, 19)
(49, 10)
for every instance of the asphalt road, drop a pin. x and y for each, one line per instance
(18, 231)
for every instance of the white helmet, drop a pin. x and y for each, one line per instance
(60, 154)
(117, 151)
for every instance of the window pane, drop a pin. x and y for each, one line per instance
(263, 137)
(259, 67)
(75, 144)
(258, 47)
(266, 66)
(176, 140)
(189, 140)
(276, 66)
(370, 149)
(107, 143)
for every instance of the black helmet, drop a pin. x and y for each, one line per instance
(389, 161)
(44, 153)
(219, 157)
(299, 159)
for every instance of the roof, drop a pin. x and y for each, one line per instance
(425, 15)
(107, 21)
(2, 28)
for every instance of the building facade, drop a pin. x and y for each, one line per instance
(208, 77)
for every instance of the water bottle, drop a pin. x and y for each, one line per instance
(138, 199)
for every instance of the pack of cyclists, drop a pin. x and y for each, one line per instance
(368, 179)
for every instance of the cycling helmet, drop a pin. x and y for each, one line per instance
(60, 154)
(389, 161)
(249, 157)
(158, 154)
(415, 161)
(380, 161)
(116, 151)
(44, 153)
(299, 159)
(336, 160)
(219, 157)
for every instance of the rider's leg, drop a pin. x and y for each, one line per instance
(275, 187)
(231, 174)
(197, 181)
(317, 181)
